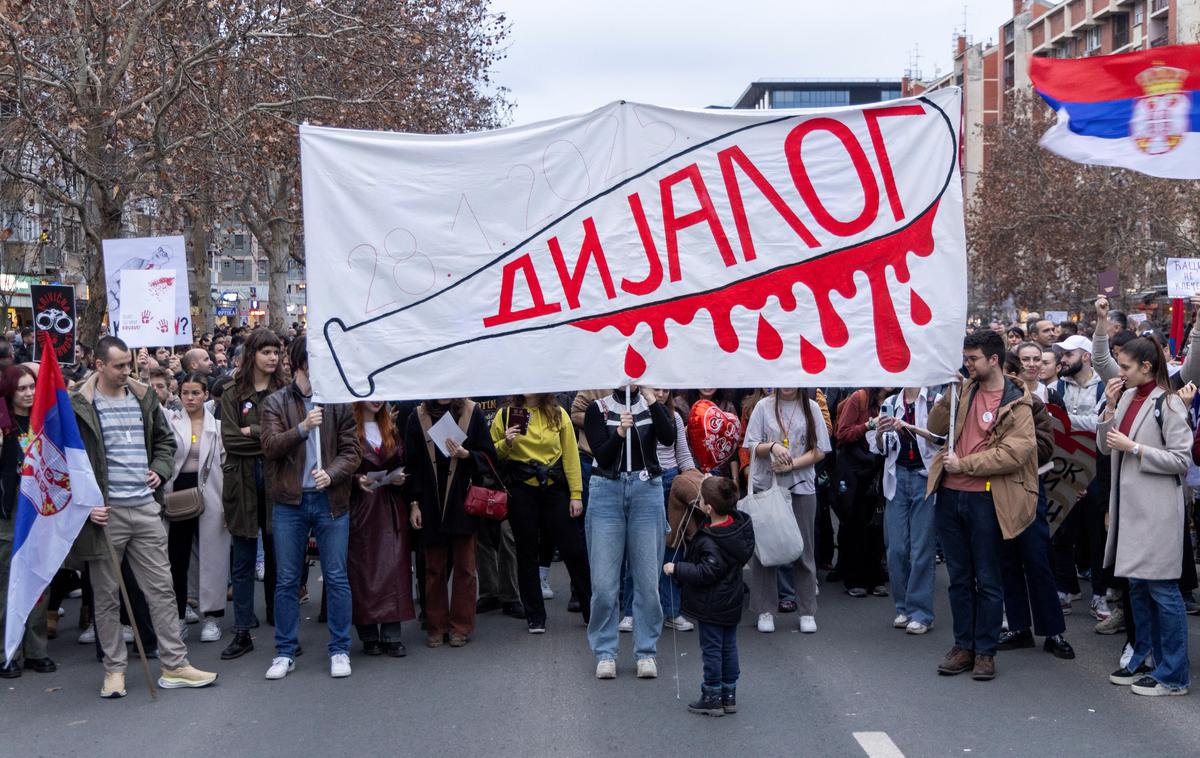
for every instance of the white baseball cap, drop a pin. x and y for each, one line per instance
(1076, 342)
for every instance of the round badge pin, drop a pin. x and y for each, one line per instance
(987, 417)
(644, 475)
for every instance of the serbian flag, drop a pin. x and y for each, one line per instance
(1135, 110)
(58, 492)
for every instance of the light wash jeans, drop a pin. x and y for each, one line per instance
(911, 534)
(625, 517)
(1162, 628)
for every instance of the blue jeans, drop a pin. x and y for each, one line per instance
(668, 588)
(625, 517)
(718, 648)
(242, 576)
(291, 525)
(908, 522)
(1162, 626)
(971, 538)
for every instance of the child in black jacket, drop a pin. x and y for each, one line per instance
(712, 591)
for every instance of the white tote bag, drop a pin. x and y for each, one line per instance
(777, 538)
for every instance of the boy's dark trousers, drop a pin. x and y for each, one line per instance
(718, 647)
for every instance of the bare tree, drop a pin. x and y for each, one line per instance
(1041, 228)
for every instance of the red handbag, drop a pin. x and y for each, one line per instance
(487, 503)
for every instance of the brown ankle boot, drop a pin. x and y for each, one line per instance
(957, 661)
(985, 668)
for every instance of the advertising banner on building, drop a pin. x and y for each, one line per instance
(675, 248)
(54, 316)
(146, 253)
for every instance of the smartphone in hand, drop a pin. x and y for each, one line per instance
(519, 417)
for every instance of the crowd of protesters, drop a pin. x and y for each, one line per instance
(220, 473)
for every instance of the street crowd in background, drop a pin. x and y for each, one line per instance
(220, 473)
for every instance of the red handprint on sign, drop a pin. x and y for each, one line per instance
(163, 325)
(145, 317)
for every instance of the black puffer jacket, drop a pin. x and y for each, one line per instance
(711, 577)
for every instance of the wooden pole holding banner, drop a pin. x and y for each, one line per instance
(137, 635)
(953, 415)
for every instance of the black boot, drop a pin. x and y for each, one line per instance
(709, 703)
(729, 699)
(241, 644)
(1059, 647)
(10, 670)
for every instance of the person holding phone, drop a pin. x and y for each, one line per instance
(1144, 429)
(536, 444)
(378, 559)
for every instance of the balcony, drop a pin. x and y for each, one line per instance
(1105, 8)
(1158, 41)
(1159, 8)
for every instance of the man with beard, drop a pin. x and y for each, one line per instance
(1082, 392)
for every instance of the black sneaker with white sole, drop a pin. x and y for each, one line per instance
(537, 627)
(1124, 677)
(1153, 688)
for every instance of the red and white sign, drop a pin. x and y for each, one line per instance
(675, 248)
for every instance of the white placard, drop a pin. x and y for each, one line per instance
(1183, 277)
(1057, 317)
(147, 307)
(446, 428)
(674, 248)
(150, 253)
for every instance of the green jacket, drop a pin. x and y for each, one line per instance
(241, 409)
(90, 545)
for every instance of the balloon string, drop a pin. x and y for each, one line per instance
(678, 611)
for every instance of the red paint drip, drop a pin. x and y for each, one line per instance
(822, 276)
(769, 343)
(812, 360)
(635, 364)
(919, 310)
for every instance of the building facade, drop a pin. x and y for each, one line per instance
(817, 93)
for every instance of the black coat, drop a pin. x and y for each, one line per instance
(711, 577)
(442, 514)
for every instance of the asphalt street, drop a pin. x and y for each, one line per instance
(508, 693)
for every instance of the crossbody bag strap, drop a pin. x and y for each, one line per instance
(427, 424)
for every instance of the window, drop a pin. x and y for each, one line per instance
(1008, 34)
(1010, 74)
(262, 270)
(890, 94)
(1120, 30)
(225, 267)
(809, 98)
(1093, 39)
(239, 242)
(239, 268)
(1139, 14)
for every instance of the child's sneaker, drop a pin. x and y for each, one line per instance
(729, 699)
(709, 703)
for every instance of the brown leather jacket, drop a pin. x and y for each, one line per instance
(284, 449)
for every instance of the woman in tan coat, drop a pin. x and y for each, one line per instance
(1145, 430)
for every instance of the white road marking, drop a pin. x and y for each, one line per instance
(878, 745)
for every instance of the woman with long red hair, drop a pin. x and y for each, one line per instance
(378, 556)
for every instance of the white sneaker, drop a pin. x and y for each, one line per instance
(1064, 602)
(766, 623)
(88, 636)
(127, 633)
(211, 631)
(808, 625)
(647, 668)
(606, 669)
(189, 615)
(1126, 655)
(76, 593)
(547, 593)
(183, 630)
(1100, 609)
(260, 571)
(900, 621)
(679, 624)
(916, 627)
(280, 667)
(626, 624)
(339, 665)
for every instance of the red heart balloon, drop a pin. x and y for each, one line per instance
(712, 434)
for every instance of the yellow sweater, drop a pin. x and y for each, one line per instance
(541, 444)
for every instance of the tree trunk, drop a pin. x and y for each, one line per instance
(199, 286)
(277, 264)
(90, 323)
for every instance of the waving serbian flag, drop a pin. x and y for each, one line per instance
(1135, 110)
(58, 491)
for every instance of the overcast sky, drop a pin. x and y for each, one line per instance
(571, 56)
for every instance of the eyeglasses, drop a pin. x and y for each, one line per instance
(974, 358)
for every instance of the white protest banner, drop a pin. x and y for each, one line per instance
(1056, 316)
(1183, 277)
(675, 248)
(147, 307)
(144, 253)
